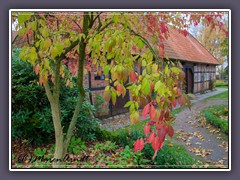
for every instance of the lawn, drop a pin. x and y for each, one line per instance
(221, 83)
(222, 96)
(217, 116)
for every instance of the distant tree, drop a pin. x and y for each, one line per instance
(216, 42)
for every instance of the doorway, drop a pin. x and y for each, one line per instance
(189, 80)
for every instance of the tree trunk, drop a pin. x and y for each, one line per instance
(59, 148)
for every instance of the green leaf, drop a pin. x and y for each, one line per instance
(144, 63)
(145, 86)
(154, 68)
(48, 43)
(34, 25)
(166, 70)
(115, 18)
(67, 43)
(59, 48)
(132, 108)
(175, 70)
(157, 85)
(106, 70)
(140, 44)
(45, 32)
(128, 104)
(54, 52)
(114, 97)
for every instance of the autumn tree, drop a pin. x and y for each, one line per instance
(111, 42)
(216, 42)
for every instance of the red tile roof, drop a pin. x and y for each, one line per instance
(179, 47)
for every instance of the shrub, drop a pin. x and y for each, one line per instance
(213, 116)
(212, 85)
(31, 113)
(31, 116)
(98, 104)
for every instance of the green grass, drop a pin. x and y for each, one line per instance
(221, 83)
(222, 96)
(213, 114)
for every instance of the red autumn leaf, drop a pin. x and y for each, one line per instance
(146, 110)
(159, 125)
(166, 115)
(161, 116)
(174, 102)
(162, 99)
(162, 132)
(195, 23)
(151, 87)
(157, 115)
(36, 69)
(156, 145)
(151, 123)
(170, 130)
(151, 137)
(152, 113)
(185, 33)
(107, 94)
(24, 37)
(163, 28)
(133, 76)
(179, 92)
(120, 88)
(134, 48)
(99, 73)
(147, 129)
(138, 145)
(161, 51)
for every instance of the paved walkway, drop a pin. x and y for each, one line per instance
(123, 120)
(199, 138)
(209, 94)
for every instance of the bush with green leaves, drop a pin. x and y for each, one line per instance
(213, 116)
(76, 146)
(31, 116)
(31, 112)
(98, 104)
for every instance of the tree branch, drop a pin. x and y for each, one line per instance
(48, 92)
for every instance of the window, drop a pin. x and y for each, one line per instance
(206, 76)
(213, 75)
(99, 76)
(198, 77)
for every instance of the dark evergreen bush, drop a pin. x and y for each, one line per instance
(31, 112)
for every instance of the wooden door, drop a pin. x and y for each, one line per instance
(189, 80)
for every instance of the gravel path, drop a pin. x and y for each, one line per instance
(204, 141)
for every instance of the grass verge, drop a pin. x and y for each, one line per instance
(221, 83)
(216, 116)
(221, 96)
